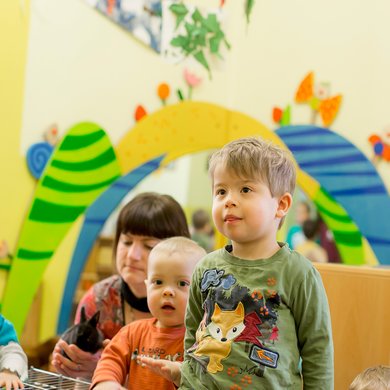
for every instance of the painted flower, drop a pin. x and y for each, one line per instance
(191, 78)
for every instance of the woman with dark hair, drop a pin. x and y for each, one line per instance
(142, 223)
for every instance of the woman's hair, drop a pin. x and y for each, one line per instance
(372, 378)
(153, 215)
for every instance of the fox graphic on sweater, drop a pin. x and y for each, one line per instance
(215, 341)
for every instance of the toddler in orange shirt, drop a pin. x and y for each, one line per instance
(170, 266)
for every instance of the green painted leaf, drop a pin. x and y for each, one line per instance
(214, 44)
(211, 23)
(197, 16)
(286, 116)
(248, 9)
(199, 56)
(180, 11)
(180, 41)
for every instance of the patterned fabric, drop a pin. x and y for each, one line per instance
(248, 322)
(106, 297)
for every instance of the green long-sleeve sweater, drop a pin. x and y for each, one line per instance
(249, 321)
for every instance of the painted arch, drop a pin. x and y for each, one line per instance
(181, 129)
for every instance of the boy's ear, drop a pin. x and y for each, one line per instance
(285, 202)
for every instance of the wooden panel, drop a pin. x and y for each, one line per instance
(359, 300)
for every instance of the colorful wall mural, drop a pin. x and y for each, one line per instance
(87, 176)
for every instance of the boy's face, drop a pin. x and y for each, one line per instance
(169, 277)
(245, 211)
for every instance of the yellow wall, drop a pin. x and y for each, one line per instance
(16, 184)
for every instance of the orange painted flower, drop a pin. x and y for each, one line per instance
(163, 91)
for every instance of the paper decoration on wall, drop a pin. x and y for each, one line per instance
(51, 135)
(163, 92)
(140, 17)
(192, 81)
(195, 34)
(139, 113)
(319, 100)
(82, 166)
(248, 9)
(37, 157)
(380, 147)
(39, 153)
(282, 117)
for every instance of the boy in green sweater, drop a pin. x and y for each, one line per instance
(255, 307)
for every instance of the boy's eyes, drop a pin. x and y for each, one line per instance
(184, 283)
(245, 190)
(157, 282)
(220, 191)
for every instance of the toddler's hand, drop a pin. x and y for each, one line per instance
(9, 380)
(167, 369)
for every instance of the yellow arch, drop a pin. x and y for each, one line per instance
(189, 127)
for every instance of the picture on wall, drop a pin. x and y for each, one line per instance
(140, 17)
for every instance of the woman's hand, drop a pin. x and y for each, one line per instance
(10, 380)
(78, 364)
(165, 368)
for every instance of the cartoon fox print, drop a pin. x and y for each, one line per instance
(224, 327)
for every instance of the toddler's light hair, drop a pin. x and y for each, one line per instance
(255, 158)
(190, 249)
(372, 378)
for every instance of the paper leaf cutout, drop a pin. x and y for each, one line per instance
(305, 89)
(329, 108)
(199, 36)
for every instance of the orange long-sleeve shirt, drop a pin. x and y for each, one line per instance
(140, 338)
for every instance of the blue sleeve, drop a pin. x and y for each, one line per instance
(7, 332)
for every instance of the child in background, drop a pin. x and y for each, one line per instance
(255, 307)
(202, 230)
(309, 248)
(372, 378)
(295, 235)
(170, 266)
(13, 361)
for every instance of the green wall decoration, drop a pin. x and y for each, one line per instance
(202, 34)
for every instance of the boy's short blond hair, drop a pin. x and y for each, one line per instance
(256, 158)
(183, 245)
(372, 378)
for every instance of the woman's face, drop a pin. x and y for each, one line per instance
(132, 259)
